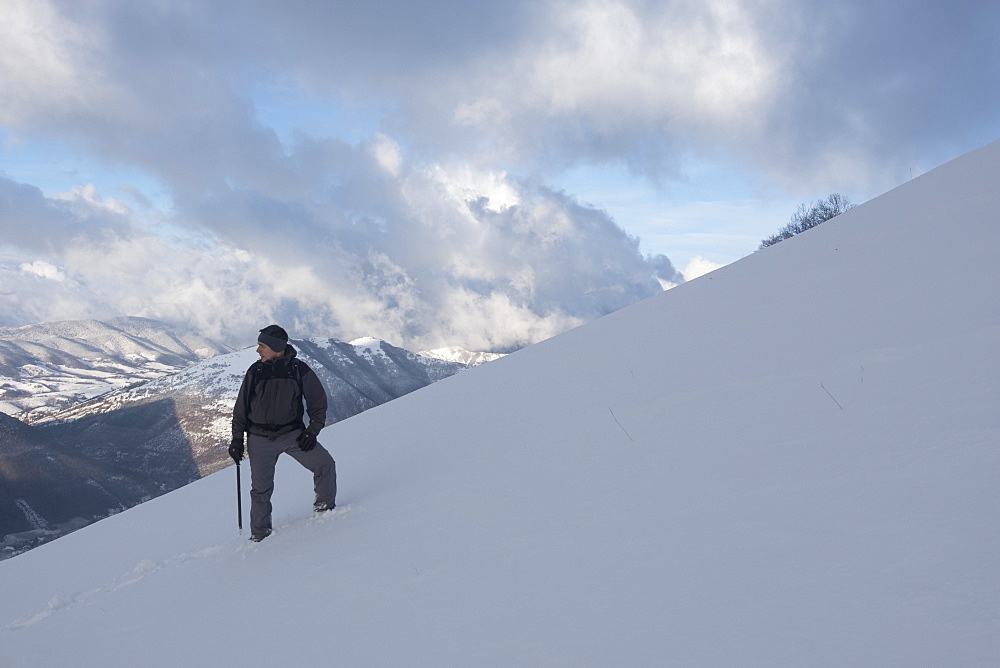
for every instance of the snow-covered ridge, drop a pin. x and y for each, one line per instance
(357, 376)
(461, 355)
(369, 347)
(367, 342)
(50, 366)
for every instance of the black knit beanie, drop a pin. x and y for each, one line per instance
(275, 341)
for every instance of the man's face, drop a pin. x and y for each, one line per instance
(266, 354)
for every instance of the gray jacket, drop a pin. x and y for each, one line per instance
(270, 398)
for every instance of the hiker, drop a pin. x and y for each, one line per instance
(269, 409)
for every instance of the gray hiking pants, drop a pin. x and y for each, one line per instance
(264, 454)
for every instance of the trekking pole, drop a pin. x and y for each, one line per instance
(239, 499)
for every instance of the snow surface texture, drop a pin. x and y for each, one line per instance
(793, 462)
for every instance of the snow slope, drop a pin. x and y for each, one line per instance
(792, 460)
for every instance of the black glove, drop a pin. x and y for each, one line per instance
(236, 449)
(307, 441)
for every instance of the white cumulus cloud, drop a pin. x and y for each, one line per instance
(44, 270)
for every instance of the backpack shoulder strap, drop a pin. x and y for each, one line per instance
(300, 369)
(252, 375)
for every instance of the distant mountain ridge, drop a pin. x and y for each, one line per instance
(201, 397)
(461, 355)
(50, 366)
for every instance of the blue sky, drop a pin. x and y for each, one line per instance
(443, 172)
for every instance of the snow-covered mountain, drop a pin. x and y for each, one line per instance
(189, 414)
(49, 366)
(793, 461)
(460, 355)
(136, 443)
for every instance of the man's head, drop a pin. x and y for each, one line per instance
(271, 342)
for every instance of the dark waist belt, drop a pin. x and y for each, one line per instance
(277, 427)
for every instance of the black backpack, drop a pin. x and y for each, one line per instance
(265, 372)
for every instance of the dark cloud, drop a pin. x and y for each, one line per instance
(31, 221)
(883, 87)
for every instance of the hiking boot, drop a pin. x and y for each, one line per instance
(257, 537)
(323, 507)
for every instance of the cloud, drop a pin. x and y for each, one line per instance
(44, 270)
(806, 90)
(815, 95)
(420, 255)
(44, 62)
(609, 78)
(876, 88)
(30, 220)
(698, 266)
